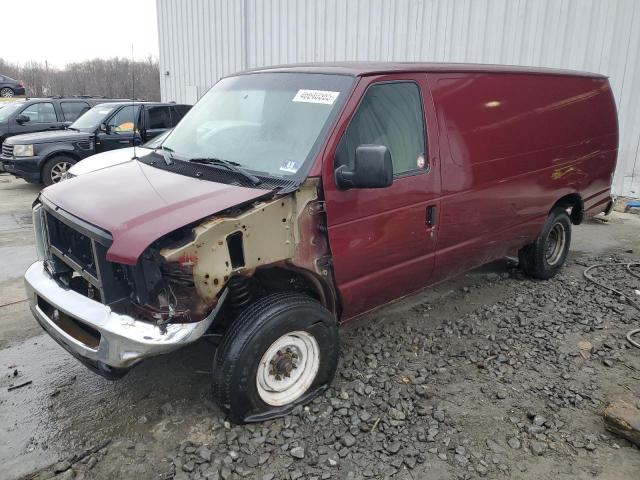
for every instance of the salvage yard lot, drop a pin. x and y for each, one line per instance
(487, 375)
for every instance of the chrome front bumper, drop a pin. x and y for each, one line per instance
(123, 340)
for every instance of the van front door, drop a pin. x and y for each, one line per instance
(383, 240)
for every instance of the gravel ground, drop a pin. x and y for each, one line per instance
(460, 387)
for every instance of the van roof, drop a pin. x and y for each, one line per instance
(370, 68)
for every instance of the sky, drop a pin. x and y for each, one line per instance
(64, 31)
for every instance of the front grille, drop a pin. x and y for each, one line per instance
(76, 256)
(73, 248)
(7, 150)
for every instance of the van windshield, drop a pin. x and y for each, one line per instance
(92, 118)
(269, 123)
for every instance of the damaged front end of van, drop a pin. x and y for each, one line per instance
(227, 251)
(190, 281)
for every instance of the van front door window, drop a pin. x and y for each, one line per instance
(390, 114)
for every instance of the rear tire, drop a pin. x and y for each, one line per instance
(281, 352)
(55, 168)
(7, 92)
(544, 257)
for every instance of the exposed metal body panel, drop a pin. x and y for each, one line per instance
(202, 40)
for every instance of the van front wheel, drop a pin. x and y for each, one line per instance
(544, 257)
(281, 352)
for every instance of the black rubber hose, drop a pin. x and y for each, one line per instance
(632, 301)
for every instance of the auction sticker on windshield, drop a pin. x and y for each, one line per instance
(316, 96)
(290, 166)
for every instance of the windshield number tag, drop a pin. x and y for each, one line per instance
(316, 96)
(290, 166)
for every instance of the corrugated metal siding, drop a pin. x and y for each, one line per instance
(202, 40)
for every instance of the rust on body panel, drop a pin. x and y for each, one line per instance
(284, 231)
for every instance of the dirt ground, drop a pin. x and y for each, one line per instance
(488, 375)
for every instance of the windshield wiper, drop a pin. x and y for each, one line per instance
(168, 158)
(233, 166)
(71, 128)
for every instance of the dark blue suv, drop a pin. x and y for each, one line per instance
(20, 116)
(45, 157)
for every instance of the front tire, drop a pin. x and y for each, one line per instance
(543, 258)
(281, 352)
(7, 92)
(55, 169)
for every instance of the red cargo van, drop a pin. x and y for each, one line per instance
(291, 199)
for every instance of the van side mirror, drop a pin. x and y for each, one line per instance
(372, 169)
(22, 119)
(104, 128)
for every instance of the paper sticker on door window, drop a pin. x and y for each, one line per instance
(290, 166)
(316, 96)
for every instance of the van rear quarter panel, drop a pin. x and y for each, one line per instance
(511, 145)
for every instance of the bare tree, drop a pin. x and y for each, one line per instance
(114, 78)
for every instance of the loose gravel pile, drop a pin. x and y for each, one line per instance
(389, 411)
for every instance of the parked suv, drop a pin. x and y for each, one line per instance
(10, 87)
(46, 156)
(292, 199)
(42, 114)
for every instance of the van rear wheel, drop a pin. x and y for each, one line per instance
(281, 352)
(544, 257)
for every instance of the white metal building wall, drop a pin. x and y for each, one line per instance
(202, 40)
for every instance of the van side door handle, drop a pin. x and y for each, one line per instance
(431, 216)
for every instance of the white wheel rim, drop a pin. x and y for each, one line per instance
(288, 368)
(6, 92)
(58, 171)
(556, 240)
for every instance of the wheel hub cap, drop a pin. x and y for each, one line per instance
(555, 244)
(288, 368)
(283, 364)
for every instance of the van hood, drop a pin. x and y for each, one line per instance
(107, 159)
(48, 137)
(137, 203)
